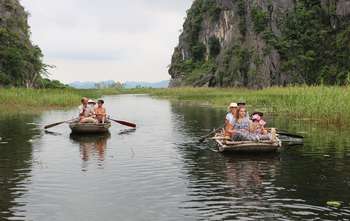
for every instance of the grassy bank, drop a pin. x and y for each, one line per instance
(328, 104)
(32, 100)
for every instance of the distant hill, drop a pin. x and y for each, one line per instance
(135, 84)
(92, 85)
(111, 83)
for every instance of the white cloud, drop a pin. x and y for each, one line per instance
(107, 39)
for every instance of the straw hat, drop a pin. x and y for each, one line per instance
(232, 105)
(92, 101)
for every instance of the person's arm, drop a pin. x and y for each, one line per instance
(81, 111)
(91, 111)
(251, 127)
(263, 130)
(229, 130)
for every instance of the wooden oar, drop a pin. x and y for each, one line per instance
(285, 133)
(208, 135)
(125, 123)
(58, 123)
(290, 135)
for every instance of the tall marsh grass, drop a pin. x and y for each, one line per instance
(20, 99)
(323, 103)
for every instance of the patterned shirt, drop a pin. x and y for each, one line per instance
(243, 124)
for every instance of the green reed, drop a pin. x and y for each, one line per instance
(20, 99)
(321, 103)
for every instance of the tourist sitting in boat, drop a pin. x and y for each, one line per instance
(92, 104)
(100, 112)
(243, 104)
(257, 128)
(241, 125)
(86, 113)
(230, 120)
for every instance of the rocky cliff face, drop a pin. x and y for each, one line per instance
(260, 43)
(14, 18)
(20, 60)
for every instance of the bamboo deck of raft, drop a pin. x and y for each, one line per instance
(225, 145)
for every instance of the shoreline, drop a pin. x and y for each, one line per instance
(327, 104)
(32, 101)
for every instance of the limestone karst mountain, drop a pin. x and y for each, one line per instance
(261, 43)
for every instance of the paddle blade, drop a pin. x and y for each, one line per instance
(290, 135)
(53, 125)
(125, 123)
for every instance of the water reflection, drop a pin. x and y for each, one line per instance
(127, 131)
(92, 147)
(293, 184)
(15, 161)
(164, 173)
(246, 172)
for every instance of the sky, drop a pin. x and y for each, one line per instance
(97, 40)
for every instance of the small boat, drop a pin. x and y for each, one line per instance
(262, 146)
(89, 128)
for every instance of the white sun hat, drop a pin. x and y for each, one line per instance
(232, 105)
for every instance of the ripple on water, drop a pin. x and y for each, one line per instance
(160, 172)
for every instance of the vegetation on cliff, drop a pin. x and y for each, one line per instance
(21, 62)
(306, 42)
(315, 45)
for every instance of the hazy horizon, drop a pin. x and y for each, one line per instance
(107, 40)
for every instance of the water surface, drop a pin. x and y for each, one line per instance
(161, 172)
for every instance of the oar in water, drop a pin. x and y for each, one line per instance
(125, 123)
(290, 135)
(285, 133)
(58, 123)
(209, 135)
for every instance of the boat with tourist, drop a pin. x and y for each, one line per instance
(89, 128)
(262, 146)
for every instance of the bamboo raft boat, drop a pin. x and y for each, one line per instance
(89, 128)
(263, 146)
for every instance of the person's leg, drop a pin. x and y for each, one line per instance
(90, 120)
(103, 119)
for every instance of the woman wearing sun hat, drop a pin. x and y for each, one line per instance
(230, 119)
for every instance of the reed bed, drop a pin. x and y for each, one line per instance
(22, 100)
(321, 103)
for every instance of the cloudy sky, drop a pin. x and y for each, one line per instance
(95, 40)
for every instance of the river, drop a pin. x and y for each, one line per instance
(161, 172)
